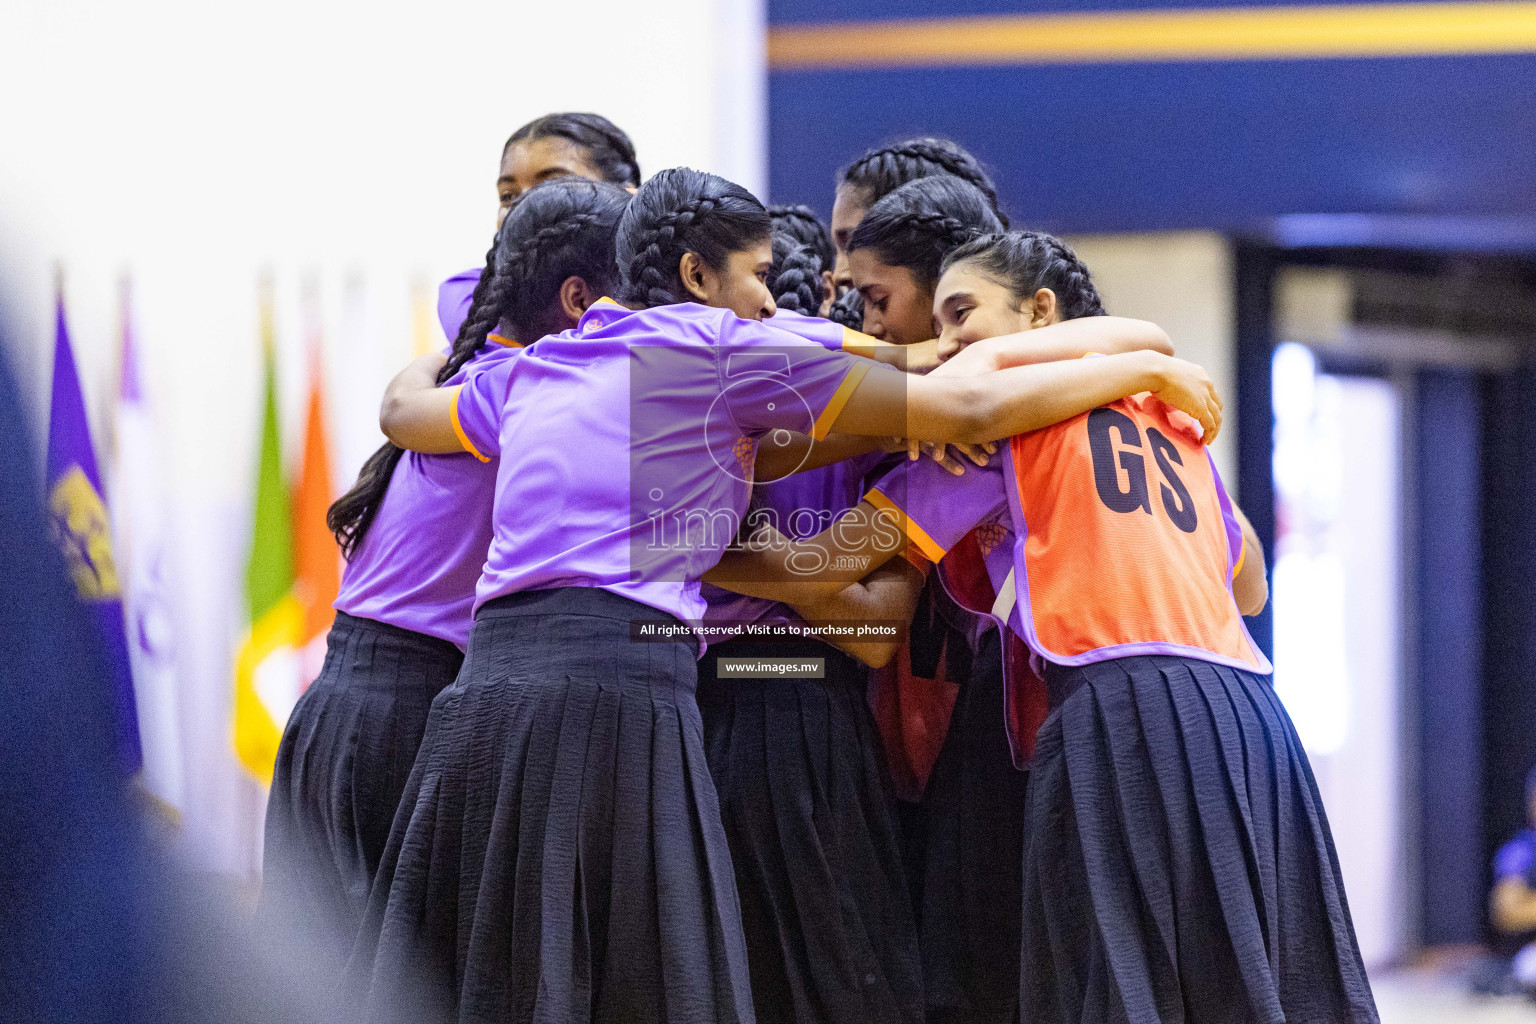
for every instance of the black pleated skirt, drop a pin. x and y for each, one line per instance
(973, 838)
(808, 811)
(1178, 865)
(558, 854)
(341, 766)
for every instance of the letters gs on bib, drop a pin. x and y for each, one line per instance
(1130, 491)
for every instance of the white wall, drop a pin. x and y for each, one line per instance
(1182, 281)
(346, 146)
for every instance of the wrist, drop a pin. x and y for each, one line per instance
(1156, 369)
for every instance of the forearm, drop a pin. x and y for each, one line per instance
(1070, 339)
(1023, 398)
(416, 413)
(887, 596)
(774, 568)
(916, 358)
(774, 462)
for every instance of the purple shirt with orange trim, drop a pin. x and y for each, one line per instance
(453, 297)
(938, 509)
(628, 445)
(803, 504)
(418, 564)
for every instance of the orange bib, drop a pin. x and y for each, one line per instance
(1129, 540)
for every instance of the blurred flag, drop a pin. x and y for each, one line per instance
(316, 556)
(267, 678)
(141, 526)
(80, 525)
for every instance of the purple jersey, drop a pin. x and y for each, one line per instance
(803, 504)
(935, 504)
(418, 564)
(628, 445)
(453, 297)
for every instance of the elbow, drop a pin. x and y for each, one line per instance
(1157, 339)
(392, 417)
(1253, 597)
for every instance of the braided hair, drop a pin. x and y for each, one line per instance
(920, 222)
(557, 230)
(604, 143)
(795, 280)
(882, 170)
(1026, 261)
(848, 310)
(801, 224)
(681, 210)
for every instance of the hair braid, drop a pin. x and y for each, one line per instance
(796, 284)
(1026, 261)
(649, 266)
(848, 310)
(958, 162)
(884, 169)
(948, 230)
(802, 225)
(679, 211)
(1077, 291)
(919, 223)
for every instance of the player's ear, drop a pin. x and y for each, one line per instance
(1041, 308)
(575, 296)
(691, 270)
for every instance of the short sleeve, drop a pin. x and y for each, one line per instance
(936, 508)
(771, 379)
(478, 406)
(453, 300)
(831, 336)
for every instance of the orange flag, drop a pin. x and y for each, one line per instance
(317, 561)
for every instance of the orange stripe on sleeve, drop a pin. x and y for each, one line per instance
(834, 409)
(862, 344)
(1242, 555)
(458, 428)
(915, 534)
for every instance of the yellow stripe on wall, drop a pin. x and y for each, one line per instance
(1246, 33)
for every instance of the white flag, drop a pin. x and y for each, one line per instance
(141, 525)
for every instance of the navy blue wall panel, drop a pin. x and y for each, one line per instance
(1446, 433)
(1217, 144)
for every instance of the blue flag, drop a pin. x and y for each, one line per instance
(80, 526)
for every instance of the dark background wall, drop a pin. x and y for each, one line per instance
(1137, 146)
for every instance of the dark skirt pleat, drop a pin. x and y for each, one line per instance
(1178, 865)
(558, 854)
(973, 836)
(341, 766)
(808, 811)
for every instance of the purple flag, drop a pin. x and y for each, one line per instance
(82, 529)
